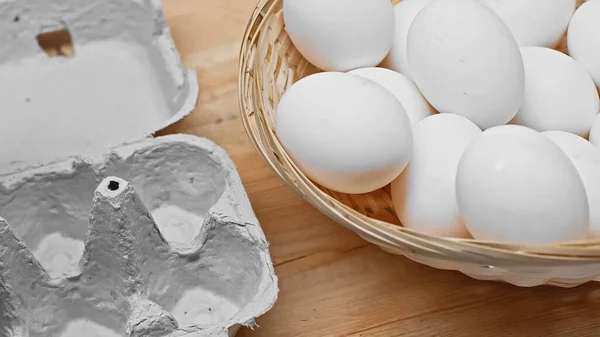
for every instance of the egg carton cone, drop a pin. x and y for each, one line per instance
(171, 248)
(107, 231)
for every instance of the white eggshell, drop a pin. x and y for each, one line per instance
(424, 194)
(583, 38)
(586, 158)
(595, 132)
(589, 170)
(515, 185)
(405, 11)
(340, 35)
(345, 132)
(559, 93)
(535, 22)
(465, 61)
(403, 88)
(574, 146)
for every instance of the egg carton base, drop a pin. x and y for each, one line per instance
(128, 279)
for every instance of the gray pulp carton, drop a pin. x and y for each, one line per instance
(106, 230)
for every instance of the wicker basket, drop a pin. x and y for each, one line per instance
(269, 64)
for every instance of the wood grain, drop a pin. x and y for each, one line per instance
(332, 283)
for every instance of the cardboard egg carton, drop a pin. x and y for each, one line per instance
(105, 230)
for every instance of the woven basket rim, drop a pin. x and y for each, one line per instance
(383, 233)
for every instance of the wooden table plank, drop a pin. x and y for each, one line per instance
(332, 282)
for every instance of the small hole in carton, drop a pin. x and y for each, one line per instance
(113, 185)
(57, 43)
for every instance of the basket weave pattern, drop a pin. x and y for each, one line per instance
(269, 64)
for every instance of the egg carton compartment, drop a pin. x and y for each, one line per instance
(81, 76)
(154, 238)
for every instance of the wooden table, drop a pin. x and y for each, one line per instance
(332, 283)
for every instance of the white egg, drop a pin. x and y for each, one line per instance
(595, 132)
(345, 132)
(405, 12)
(574, 146)
(403, 88)
(535, 22)
(340, 35)
(586, 158)
(559, 93)
(424, 194)
(515, 185)
(465, 61)
(583, 38)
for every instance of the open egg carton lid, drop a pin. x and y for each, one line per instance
(84, 84)
(80, 77)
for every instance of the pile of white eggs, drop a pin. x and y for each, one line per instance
(480, 126)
